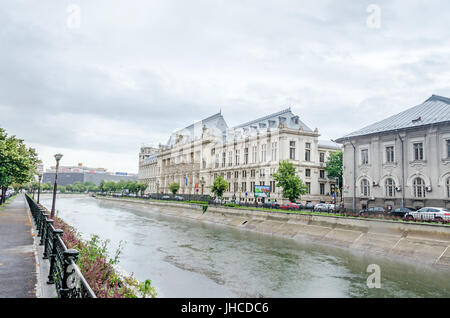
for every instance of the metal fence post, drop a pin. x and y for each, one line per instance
(56, 234)
(69, 255)
(47, 237)
(44, 228)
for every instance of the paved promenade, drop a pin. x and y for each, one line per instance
(17, 256)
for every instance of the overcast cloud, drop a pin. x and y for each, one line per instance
(136, 70)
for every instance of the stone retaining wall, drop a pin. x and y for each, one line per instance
(424, 243)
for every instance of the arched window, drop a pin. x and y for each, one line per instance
(390, 187)
(448, 188)
(419, 188)
(365, 187)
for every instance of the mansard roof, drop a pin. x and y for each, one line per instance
(435, 109)
(274, 120)
(215, 122)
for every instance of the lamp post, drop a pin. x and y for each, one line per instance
(58, 157)
(39, 187)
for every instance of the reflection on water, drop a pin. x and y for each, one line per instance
(186, 258)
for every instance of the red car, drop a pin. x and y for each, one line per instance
(290, 206)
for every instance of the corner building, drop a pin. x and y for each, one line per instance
(403, 160)
(245, 155)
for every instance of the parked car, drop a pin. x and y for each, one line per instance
(271, 205)
(322, 207)
(300, 206)
(431, 213)
(165, 197)
(309, 206)
(400, 212)
(375, 210)
(290, 206)
(179, 198)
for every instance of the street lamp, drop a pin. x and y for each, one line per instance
(39, 187)
(58, 157)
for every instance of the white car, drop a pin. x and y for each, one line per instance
(324, 207)
(436, 214)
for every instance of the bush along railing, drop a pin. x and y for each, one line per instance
(64, 272)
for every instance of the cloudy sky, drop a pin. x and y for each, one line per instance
(95, 80)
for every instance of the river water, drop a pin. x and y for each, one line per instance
(187, 258)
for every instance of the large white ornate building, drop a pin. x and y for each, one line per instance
(402, 160)
(245, 155)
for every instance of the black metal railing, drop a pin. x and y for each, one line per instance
(64, 273)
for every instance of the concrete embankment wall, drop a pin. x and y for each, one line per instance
(423, 243)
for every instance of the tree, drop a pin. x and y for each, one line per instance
(174, 187)
(293, 187)
(334, 167)
(142, 187)
(47, 186)
(219, 186)
(17, 162)
(62, 189)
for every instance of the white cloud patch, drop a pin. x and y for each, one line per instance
(136, 70)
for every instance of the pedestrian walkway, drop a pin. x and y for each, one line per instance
(17, 257)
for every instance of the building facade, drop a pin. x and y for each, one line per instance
(71, 174)
(246, 155)
(403, 160)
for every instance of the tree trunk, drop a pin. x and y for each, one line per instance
(3, 199)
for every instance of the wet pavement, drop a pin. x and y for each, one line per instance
(17, 257)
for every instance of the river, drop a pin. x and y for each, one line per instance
(187, 258)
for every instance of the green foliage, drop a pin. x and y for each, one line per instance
(219, 186)
(174, 187)
(231, 205)
(293, 187)
(334, 166)
(61, 189)
(17, 161)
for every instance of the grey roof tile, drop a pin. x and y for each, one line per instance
(434, 110)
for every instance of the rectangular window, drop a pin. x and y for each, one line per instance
(365, 156)
(272, 186)
(263, 153)
(322, 188)
(244, 187)
(292, 150)
(307, 151)
(244, 173)
(254, 153)
(236, 174)
(252, 186)
(308, 187)
(322, 174)
(307, 172)
(230, 158)
(236, 159)
(274, 151)
(252, 173)
(448, 148)
(245, 156)
(322, 157)
(390, 154)
(418, 151)
(223, 159)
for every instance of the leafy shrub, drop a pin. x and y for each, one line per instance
(98, 269)
(231, 205)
